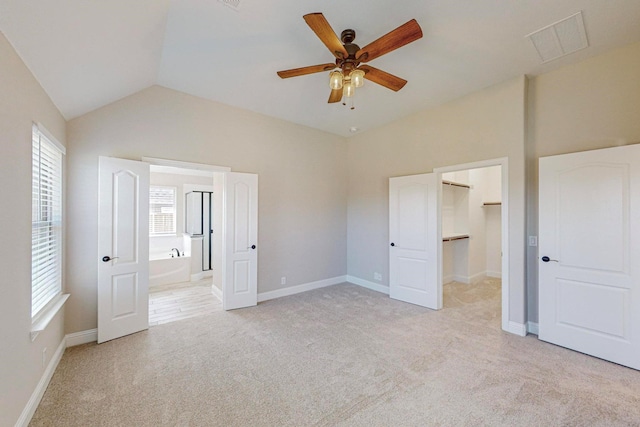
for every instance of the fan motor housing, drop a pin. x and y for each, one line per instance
(349, 63)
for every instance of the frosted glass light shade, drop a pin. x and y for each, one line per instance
(335, 79)
(357, 78)
(349, 89)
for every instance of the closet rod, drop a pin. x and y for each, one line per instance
(455, 184)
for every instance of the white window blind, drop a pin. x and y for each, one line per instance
(46, 220)
(162, 210)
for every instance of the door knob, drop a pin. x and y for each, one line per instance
(393, 244)
(107, 258)
(547, 259)
(252, 247)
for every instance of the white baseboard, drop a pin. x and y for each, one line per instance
(516, 328)
(532, 328)
(265, 296)
(461, 279)
(369, 285)
(37, 394)
(82, 337)
(199, 276)
(216, 292)
(477, 277)
(471, 279)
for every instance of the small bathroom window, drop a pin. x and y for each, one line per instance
(162, 210)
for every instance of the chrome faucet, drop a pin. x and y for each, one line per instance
(177, 251)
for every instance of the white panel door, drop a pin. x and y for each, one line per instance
(589, 281)
(413, 254)
(123, 248)
(241, 240)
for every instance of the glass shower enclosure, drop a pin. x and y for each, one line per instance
(198, 222)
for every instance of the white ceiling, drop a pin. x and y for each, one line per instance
(88, 53)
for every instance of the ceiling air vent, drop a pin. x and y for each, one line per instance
(560, 39)
(233, 4)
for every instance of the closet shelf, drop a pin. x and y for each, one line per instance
(455, 184)
(454, 237)
(491, 203)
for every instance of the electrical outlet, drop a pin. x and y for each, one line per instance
(533, 240)
(283, 280)
(377, 276)
(44, 357)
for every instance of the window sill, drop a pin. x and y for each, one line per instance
(42, 320)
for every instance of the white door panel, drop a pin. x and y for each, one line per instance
(413, 263)
(589, 231)
(123, 243)
(241, 266)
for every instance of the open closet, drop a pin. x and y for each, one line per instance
(471, 225)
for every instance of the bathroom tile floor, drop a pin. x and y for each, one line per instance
(168, 303)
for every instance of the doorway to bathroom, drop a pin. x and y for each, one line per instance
(123, 240)
(181, 244)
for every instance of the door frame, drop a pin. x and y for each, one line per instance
(504, 223)
(218, 219)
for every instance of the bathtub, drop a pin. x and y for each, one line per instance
(164, 270)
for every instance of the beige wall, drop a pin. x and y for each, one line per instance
(302, 195)
(485, 125)
(22, 102)
(590, 105)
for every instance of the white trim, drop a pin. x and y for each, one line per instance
(477, 277)
(460, 279)
(265, 296)
(36, 396)
(516, 328)
(47, 314)
(496, 274)
(43, 130)
(202, 275)
(82, 337)
(532, 328)
(369, 285)
(187, 188)
(507, 324)
(217, 292)
(185, 165)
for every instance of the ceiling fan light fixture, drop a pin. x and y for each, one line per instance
(357, 77)
(335, 79)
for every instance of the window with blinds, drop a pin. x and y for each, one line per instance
(162, 210)
(46, 221)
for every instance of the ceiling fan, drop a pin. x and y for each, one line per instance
(348, 72)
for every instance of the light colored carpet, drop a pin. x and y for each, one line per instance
(340, 356)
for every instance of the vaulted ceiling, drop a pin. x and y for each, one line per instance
(88, 53)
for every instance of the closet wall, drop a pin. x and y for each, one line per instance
(471, 224)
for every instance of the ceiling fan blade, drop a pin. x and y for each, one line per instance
(336, 95)
(399, 37)
(306, 70)
(325, 33)
(383, 78)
